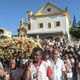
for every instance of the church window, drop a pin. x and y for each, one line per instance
(58, 23)
(49, 9)
(49, 25)
(41, 25)
(29, 27)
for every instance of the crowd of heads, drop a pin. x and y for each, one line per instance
(44, 49)
(47, 45)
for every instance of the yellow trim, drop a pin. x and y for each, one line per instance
(65, 13)
(44, 15)
(61, 12)
(46, 6)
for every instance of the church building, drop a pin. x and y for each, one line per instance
(48, 22)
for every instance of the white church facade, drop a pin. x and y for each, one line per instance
(49, 21)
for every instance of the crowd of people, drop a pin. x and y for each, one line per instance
(54, 59)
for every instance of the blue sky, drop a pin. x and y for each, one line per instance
(11, 11)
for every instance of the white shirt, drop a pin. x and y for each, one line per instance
(57, 68)
(41, 71)
(1, 66)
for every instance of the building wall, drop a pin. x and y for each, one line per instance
(67, 29)
(6, 33)
(45, 20)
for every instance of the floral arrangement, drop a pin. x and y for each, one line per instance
(17, 46)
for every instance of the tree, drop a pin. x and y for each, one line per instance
(75, 32)
(74, 22)
(78, 24)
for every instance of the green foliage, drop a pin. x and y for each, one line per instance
(75, 32)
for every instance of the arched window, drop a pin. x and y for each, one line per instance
(29, 27)
(49, 25)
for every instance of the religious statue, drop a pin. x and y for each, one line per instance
(22, 30)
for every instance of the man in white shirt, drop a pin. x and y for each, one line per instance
(38, 69)
(57, 65)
